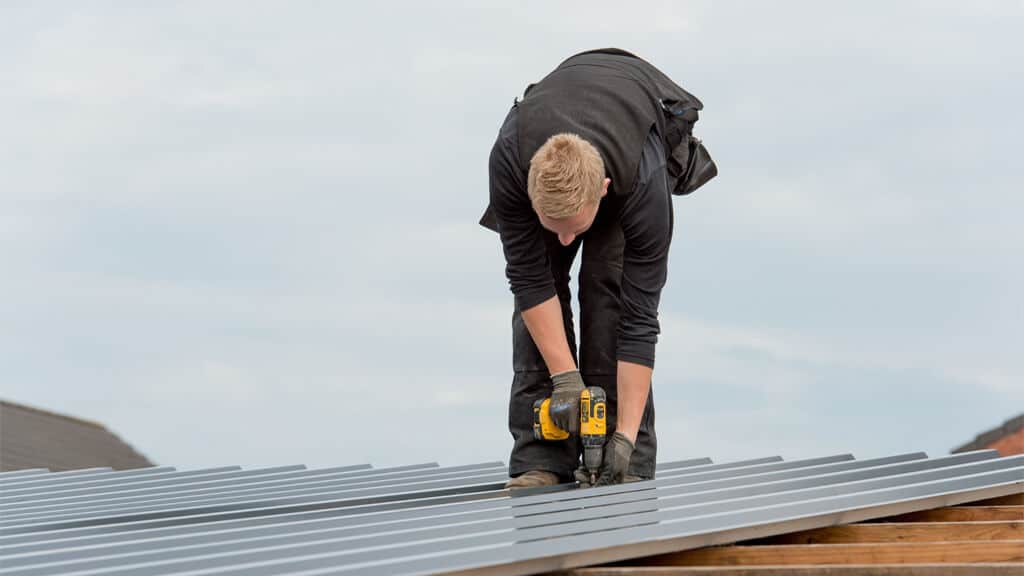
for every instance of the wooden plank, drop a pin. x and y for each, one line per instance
(886, 553)
(1008, 500)
(962, 514)
(848, 570)
(901, 532)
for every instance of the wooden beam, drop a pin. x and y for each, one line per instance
(886, 553)
(1008, 500)
(901, 532)
(848, 570)
(962, 514)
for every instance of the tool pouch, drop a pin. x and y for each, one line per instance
(689, 163)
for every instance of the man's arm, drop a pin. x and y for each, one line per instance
(634, 384)
(544, 322)
(527, 267)
(547, 328)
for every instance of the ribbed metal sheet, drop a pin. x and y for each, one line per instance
(427, 519)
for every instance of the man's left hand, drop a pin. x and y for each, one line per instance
(617, 452)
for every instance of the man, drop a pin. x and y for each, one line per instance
(589, 158)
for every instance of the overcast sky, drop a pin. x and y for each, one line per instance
(245, 233)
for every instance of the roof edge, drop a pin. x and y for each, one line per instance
(27, 408)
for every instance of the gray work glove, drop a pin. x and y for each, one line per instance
(617, 452)
(565, 400)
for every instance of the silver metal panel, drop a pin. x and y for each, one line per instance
(385, 560)
(666, 466)
(459, 519)
(328, 508)
(611, 541)
(359, 517)
(511, 526)
(378, 532)
(120, 484)
(236, 484)
(683, 463)
(86, 498)
(74, 477)
(407, 488)
(743, 468)
(112, 481)
(15, 473)
(385, 511)
(28, 474)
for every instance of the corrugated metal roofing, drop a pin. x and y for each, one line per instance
(426, 519)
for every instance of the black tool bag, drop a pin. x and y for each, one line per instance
(689, 163)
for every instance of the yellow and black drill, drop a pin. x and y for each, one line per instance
(593, 404)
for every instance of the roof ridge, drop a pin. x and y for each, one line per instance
(19, 406)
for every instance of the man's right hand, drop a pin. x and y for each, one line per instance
(565, 400)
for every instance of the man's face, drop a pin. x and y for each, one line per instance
(569, 228)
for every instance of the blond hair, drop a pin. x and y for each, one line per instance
(566, 174)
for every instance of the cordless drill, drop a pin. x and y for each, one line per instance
(593, 403)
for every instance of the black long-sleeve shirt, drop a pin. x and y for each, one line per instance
(646, 219)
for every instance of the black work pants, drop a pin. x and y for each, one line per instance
(599, 284)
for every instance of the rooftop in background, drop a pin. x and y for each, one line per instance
(35, 438)
(1007, 439)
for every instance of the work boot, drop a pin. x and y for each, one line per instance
(533, 479)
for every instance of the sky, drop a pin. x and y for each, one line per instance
(246, 232)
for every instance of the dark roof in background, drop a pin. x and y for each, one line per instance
(425, 519)
(983, 440)
(34, 438)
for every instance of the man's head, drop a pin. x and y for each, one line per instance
(566, 184)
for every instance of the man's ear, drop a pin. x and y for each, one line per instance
(604, 188)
